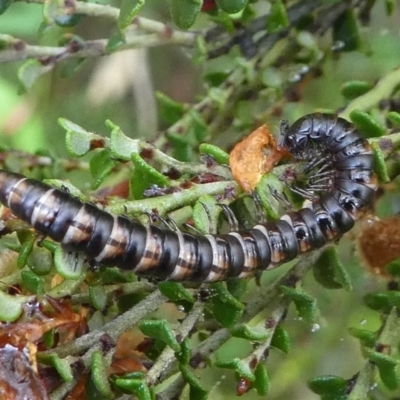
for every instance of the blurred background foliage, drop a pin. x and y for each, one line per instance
(121, 87)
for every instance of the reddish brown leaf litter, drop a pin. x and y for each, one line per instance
(379, 243)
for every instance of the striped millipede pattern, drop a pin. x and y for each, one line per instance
(331, 144)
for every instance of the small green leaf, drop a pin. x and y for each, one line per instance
(226, 314)
(136, 386)
(69, 265)
(237, 287)
(393, 268)
(11, 306)
(49, 339)
(306, 305)
(330, 272)
(32, 282)
(389, 7)
(221, 291)
(99, 374)
(197, 392)
(346, 31)
(98, 297)
(184, 12)
(256, 333)
(366, 337)
(31, 71)
(205, 214)
(40, 261)
(394, 117)
(231, 6)
(160, 330)
(220, 156)
(198, 127)
(4, 4)
(116, 41)
(61, 365)
(49, 245)
(101, 164)
(328, 384)
(380, 164)
(183, 355)
(353, 89)
(277, 19)
(394, 298)
(219, 96)
(175, 291)
(241, 367)
(215, 78)
(26, 248)
(144, 175)
(78, 140)
(378, 302)
(267, 184)
(170, 110)
(368, 126)
(182, 148)
(281, 339)
(128, 10)
(262, 382)
(226, 309)
(121, 145)
(272, 77)
(134, 375)
(387, 366)
(111, 276)
(389, 376)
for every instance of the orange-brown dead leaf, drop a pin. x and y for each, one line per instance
(61, 315)
(127, 357)
(254, 156)
(379, 243)
(124, 365)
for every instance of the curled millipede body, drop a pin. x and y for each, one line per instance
(344, 163)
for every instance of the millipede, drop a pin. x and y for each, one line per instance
(341, 188)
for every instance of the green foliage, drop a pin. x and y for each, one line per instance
(184, 12)
(129, 9)
(330, 272)
(161, 331)
(353, 89)
(4, 4)
(329, 387)
(367, 124)
(346, 31)
(219, 155)
(135, 386)
(278, 18)
(11, 306)
(99, 377)
(305, 304)
(61, 365)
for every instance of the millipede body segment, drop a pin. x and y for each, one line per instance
(345, 173)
